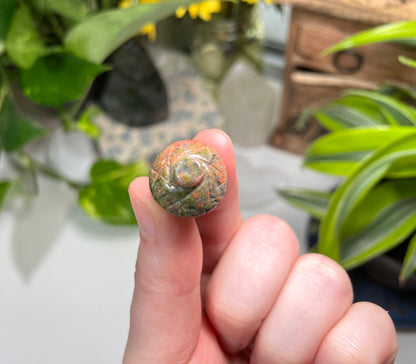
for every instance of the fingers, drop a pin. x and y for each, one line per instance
(316, 295)
(248, 278)
(365, 334)
(219, 226)
(166, 309)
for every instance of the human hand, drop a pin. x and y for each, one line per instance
(215, 289)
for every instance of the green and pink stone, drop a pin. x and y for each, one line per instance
(188, 178)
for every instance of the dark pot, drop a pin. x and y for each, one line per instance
(377, 281)
(132, 92)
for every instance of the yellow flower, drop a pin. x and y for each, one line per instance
(150, 28)
(203, 10)
(124, 4)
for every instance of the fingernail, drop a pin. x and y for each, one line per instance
(143, 217)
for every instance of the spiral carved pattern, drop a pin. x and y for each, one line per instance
(188, 178)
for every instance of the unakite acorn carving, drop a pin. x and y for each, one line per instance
(188, 178)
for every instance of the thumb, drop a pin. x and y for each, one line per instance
(165, 315)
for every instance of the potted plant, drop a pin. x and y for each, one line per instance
(370, 217)
(50, 54)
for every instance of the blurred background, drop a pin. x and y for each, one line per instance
(317, 96)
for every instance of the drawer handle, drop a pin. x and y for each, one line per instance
(347, 62)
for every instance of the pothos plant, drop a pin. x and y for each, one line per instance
(371, 145)
(52, 50)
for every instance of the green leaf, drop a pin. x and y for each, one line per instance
(403, 168)
(86, 122)
(350, 111)
(59, 78)
(356, 186)
(313, 202)
(387, 230)
(385, 193)
(339, 152)
(25, 185)
(336, 117)
(407, 61)
(384, 218)
(409, 263)
(23, 43)
(98, 36)
(399, 112)
(7, 10)
(398, 92)
(105, 171)
(365, 107)
(399, 31)
(4, 188)
(107, 203)
(106, 198)
(75, 10)
(15, 131)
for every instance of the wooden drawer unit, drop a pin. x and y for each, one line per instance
(315, 32)
(311, 80)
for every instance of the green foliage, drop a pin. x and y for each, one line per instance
(371, 211)
(4, 189)
(404, 32)
(409, 263)
(59, 78)
(7, 11)
(86, 122)
(396, 112)
(53, 50)
(106, 198)
(407, 61)
(15, 130)
(371, 144)
(339, 152)
(23, 43)
(98, 36)
(313, 202)
(75, 10)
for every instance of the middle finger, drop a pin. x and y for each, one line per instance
(248, 278)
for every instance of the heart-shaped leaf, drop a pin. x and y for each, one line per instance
(98, 36)
(106, 198)
(59, 78)
(15, 130)
(8, 9)
(23, 43)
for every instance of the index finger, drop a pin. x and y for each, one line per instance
(218, 227)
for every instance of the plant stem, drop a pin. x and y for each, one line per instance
(28, 162)
(59, 31)
(67, 120)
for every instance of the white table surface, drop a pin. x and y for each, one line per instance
(66, 281)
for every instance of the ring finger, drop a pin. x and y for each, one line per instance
(315, 296)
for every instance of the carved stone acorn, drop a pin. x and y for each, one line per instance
(188, 178)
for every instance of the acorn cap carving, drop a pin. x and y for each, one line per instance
(188, 178)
